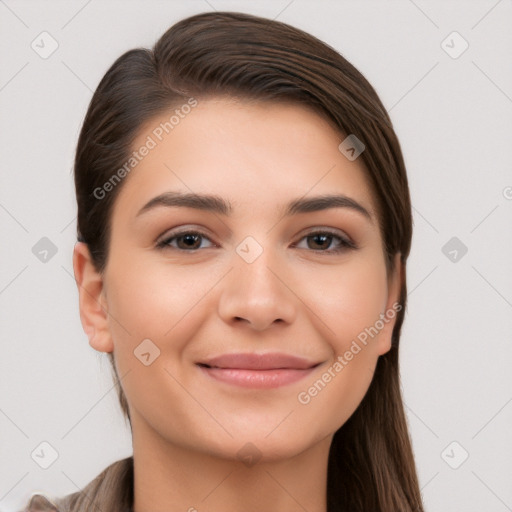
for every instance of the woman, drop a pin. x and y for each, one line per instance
(244, 223)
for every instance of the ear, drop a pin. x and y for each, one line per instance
(388, 316)
(92, 299)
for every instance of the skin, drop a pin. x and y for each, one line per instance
(297, 297)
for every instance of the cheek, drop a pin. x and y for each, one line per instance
(348, 298)
(156, 301)
(164, 305)
(350, 303)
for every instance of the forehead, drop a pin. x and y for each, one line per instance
(248, 152)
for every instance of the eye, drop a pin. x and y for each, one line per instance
(318, 241)
(322, 241)
(185, 241)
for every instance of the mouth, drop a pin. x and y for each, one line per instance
(257, 370)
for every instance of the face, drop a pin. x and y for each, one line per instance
(256, 314)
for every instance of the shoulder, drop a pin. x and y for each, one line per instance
(40, 503)
(113, 487)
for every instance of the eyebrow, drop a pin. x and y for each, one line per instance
(217, 204)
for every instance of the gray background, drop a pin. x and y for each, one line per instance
(454, 119)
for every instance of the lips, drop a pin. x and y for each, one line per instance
(262, 371)
(253, 361)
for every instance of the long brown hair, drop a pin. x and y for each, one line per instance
(371, 465)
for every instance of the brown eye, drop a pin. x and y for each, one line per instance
(185, 241)
(319, 241)
(189, 241)
(322, 241)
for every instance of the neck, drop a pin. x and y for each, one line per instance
(174, 478)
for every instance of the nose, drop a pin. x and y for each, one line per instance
(257, 294)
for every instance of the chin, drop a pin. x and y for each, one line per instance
(259, 447)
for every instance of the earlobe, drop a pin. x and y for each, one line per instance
(92, 299)
(393, 306)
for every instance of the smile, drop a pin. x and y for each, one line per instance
(257, 371)
(256, 378)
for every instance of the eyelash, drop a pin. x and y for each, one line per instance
(344, 243)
